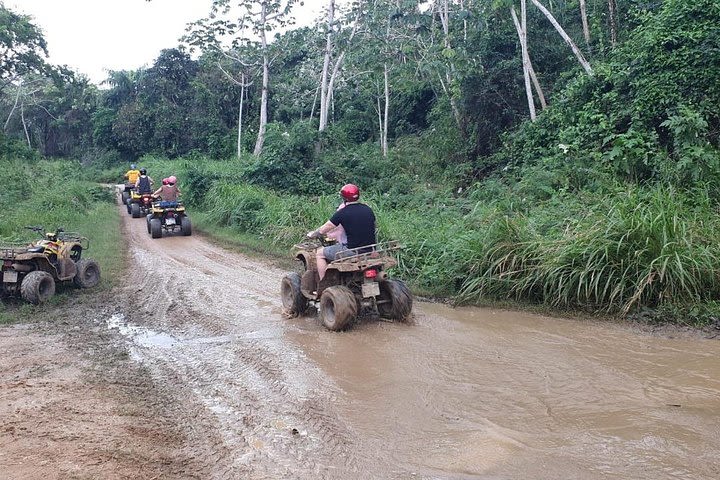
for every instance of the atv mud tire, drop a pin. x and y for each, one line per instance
(185, 226)
(155, 228)
(292, 298)
(147, 221)
(125, 197)
(88, 273)
(128, 203)
(135, 210)
(338, 307)
(37, 287)
(396, 300)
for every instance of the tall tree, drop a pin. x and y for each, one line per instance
(22, 47)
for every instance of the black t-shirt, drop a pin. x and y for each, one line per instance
(358, 220)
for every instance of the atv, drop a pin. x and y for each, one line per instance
(139, 204)
(356, 283)
(126, 192)
(33, 270)
(168, 216)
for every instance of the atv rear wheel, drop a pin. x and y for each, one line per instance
(185, 226)
(338, 307)
(125, 197)
(396, 300)
(37, 287)
(155, 228)
(88, 273)
(293, 300)
(135, 210)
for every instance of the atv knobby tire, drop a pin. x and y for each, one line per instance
(37, 287)
(147, 221)
(338, 307)
(88, 273)
(293, 300)
(135, 210)
(155, 228)
(396, 300)
(185, 226)
(125, 197)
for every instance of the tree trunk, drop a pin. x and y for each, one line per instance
(387, 113)
(240, 115)
(525, 57)
(613, 25)
(586, 28)
(266, 80)
(565, 37)
(326, 66)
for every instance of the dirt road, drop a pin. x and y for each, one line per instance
(205, 378)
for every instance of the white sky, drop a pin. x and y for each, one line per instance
(93, 36)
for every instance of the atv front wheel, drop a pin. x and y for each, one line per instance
(292, 298)
(395, 300)
(88, 273)
(155, 228)
(338, 307)
(37, 287)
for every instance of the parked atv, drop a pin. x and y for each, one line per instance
(168, 216)
(33, 270)
(353, 284)
(139, 204)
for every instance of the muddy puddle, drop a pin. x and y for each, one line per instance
(458, 393)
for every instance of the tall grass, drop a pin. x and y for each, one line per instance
(616, 251)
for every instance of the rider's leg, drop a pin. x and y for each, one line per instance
(321, 262)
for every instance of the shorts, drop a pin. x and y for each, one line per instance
(335, 252)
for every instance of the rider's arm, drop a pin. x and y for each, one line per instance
(157, 192)
(326, 227)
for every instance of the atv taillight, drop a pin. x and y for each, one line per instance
(370, 273)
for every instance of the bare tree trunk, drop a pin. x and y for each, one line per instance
(449, 73)
(586, 28)
(525, 57)
(536, 83)
(326, 67)
(565, 37)
(387, 113)
(240, 115)
(266, 80)
(22, 118)
(336, 70)
(17, 100)
(613, 25)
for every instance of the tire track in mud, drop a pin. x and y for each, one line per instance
(209, 323)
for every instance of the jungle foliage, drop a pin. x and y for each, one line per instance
(607, 202)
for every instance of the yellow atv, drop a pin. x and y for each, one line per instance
(32, 271)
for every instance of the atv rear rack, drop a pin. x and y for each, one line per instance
(367, 256)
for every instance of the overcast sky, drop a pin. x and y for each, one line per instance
(93, 36)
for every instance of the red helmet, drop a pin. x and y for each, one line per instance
(350, 192)
(165, 181)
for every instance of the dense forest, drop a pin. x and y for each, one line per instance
(562, 153)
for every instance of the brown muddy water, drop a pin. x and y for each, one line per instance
(458, 393)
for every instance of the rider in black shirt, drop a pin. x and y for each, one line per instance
(357, 219)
